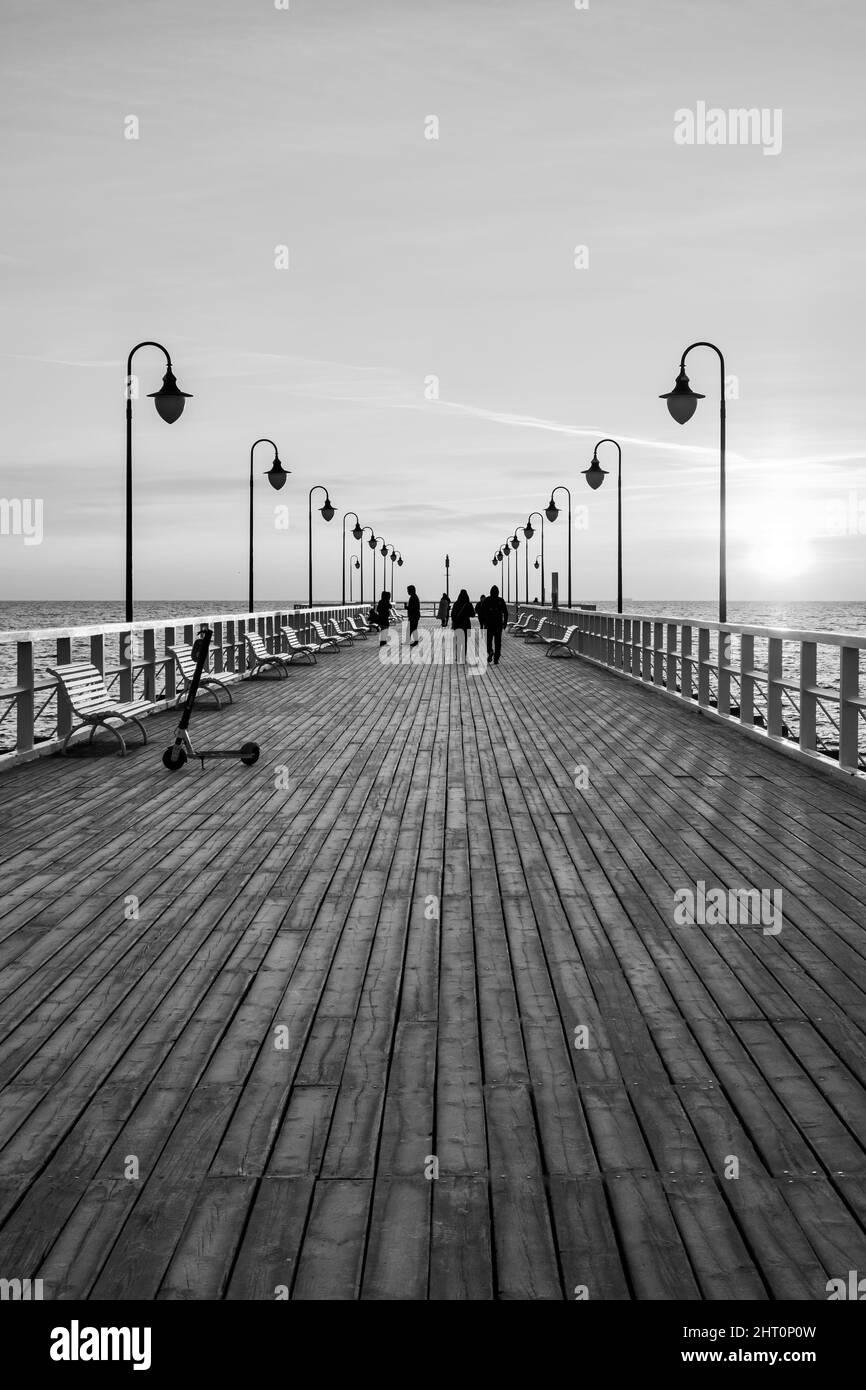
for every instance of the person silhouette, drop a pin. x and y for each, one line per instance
(461, 616)
(383, 615)
(413, 611)
(494, 619)
(444, 610)
(479, 610)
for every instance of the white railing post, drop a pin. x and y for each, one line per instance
(658, 655)
(747, 680)
(63, 655)
(808, 699)
(723, 677)
(849, 710)
(686, 663)
(24, 712)
(671, 681)
(774, 687)
(703, 666)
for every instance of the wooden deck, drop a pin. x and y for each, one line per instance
(150, 1038)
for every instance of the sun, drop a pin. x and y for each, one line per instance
(780, 559)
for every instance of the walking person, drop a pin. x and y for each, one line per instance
(461, 616)
(495, 618)
(413, 612)
(479, 610)
(383, 616)
(444, 610)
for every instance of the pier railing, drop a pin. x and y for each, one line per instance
(134, 660)
(797, 690)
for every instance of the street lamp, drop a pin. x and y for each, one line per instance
(552, 512)
(682, 402)
(276, 476)
(595, 476)
(529, 532)
(169, 401)
(373, 544)
(357, 532)
(327, 512)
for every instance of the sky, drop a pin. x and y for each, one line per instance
(437, 353)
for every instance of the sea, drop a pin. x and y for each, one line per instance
(805, 615)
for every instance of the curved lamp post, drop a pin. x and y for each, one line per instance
(373, 544)
(357, 532)
(276, 476)
(169, 401)
(595, 476)
(327, 512)
(682, 402)
(515, 545)
(529, 532)
(395, 555)
(552, 512)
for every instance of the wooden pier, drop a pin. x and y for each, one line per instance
(508, 1074)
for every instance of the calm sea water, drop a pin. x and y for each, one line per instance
(816, 616)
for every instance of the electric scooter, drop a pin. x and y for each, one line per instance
(182, 748)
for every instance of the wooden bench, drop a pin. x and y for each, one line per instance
(561, 644)
(298, 650)
(208, 685)
(92, 702)
(262, 660)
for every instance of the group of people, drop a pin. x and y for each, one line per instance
(491, 610)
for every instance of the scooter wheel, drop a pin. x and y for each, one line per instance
(173, 758)
(250, 753)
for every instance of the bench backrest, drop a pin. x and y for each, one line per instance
(185, 660)
(569, 633)
(257, 646)
(320, 631)
(84, 687)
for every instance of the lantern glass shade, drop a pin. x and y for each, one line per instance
(357, 532)
(169, 399)
(357, 564)
(506, 550)
(400, 560)
(552, 511)
(536, 564)
(327, 511)
(682, 401)
(595, 474)
(515, 542)
(384, 550)
(372, 542)
(529, 530)
(276, 474)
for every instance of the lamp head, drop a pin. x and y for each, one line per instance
(277, 474)
(357, 563)
(682, 401)
(399, 560)
(384, 550)
(372, 542)
(595, 474)
(506, 549)
(357, 532)
(536, 564)
(529, 530)
(327, 511)
(551, 511)
(169, 399)
(515, 541)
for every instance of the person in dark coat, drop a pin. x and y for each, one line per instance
(479, 610)
(413, 612)
(495, 618)
(383, 615)
(461, 616)
(444, 610)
